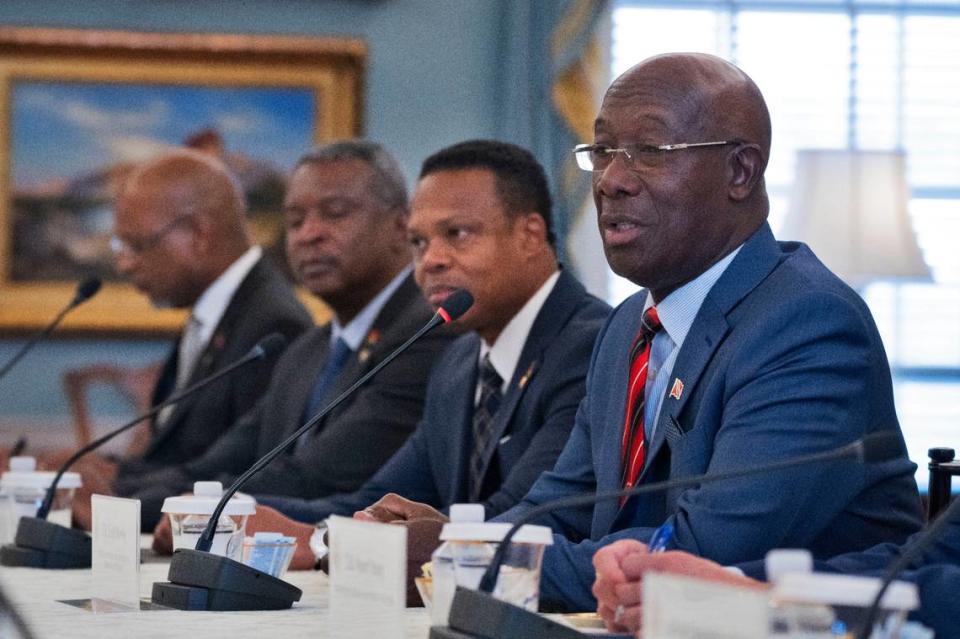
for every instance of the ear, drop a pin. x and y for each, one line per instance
(746, 170)
(534, 230)
(401, 217)
(204, 240)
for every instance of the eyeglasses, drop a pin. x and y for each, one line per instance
(597, 157)
(137, 247)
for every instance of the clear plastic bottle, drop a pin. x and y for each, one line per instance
(22, 490)
(444, 578)
(190, 514)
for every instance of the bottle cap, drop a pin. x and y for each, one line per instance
(467, 513)
(206, 495)
(23, 473)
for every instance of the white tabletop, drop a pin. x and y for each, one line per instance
(37, 594)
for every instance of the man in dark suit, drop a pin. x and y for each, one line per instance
(480, 220)
(345, 215)
(179, 237)
(742, 350)
(621, 567)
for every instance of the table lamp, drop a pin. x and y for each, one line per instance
(850, 206)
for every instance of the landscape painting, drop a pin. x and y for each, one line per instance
(80, 108)
(73, 144)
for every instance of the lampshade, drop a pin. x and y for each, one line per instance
(851, 208)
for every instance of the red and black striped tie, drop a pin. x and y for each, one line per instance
(632, 451)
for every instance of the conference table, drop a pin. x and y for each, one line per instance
(38, 595)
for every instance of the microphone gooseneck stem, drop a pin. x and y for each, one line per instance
(206, 537)
(489, 580)
(915, 550)
(44, 510)
(36, 339)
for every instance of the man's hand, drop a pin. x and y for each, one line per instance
(423, 524)
(393, 508)
(82, 510)
(611, 579)
(163, 536)
(423, 537)
(619, 583)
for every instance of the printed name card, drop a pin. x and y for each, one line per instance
(368, 564)
(678, 607)
(116, 550)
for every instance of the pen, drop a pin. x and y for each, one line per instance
(661, 538)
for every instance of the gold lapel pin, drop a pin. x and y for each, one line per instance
(527, 375)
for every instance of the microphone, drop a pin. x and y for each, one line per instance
(476, 613)
(912, 552)
(41, 544)
(85, 290)
(199, 580)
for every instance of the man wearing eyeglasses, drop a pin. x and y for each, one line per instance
(179, 237)
(741, 349)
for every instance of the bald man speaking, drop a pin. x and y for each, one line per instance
(741, 350)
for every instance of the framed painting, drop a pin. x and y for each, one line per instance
(78, 109)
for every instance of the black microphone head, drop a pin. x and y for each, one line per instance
(86, 289)
(269, 346)
(880, 446)
(456, 304)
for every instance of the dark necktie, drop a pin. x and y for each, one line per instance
(483, 415)
(632, 452)
(326, 379)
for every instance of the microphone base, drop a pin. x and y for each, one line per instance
(43, 544)
(203, 581)
(479, 615)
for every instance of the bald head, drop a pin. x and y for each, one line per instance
(667, 215)
(179, 217)
(192, 183)
(707, 95)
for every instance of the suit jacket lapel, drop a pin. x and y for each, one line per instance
(705, 336)
(610, 435)
(553, 316)
(463, 384)
(379, 340)
(163, 389)
(211, 359)
(758, 257)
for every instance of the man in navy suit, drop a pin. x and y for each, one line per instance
(621, 567)
(741, 349)
(480, 220)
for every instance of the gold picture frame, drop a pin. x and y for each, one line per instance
(327, 73)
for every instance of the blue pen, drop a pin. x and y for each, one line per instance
(661, 538)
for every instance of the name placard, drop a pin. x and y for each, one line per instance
(679, 607)
(116, 550)
(368, 564)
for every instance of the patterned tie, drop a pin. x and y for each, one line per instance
(328, 375)
(191, 345)
(632, 452)
(188, 353)
(490, 395)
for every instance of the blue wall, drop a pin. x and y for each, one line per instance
(432, 79)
